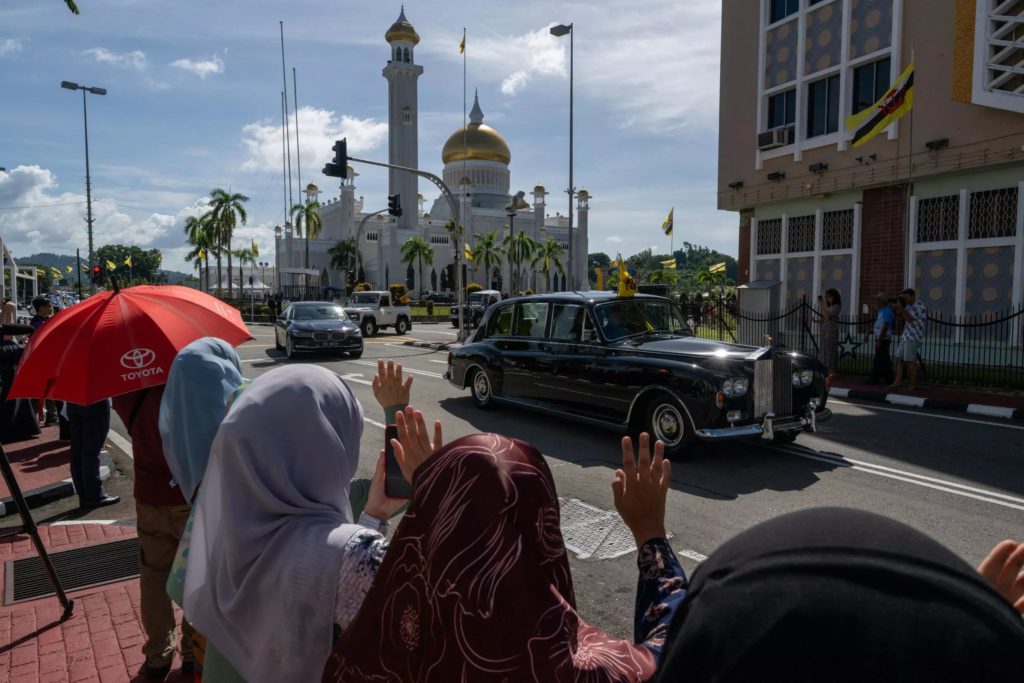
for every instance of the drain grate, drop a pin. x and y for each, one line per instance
(593, 533)
(26, 579)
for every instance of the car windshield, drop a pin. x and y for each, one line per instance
(325, 312)
(628, 317)
(364, 298)
(478, 298)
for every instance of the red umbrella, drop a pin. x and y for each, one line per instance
(121, 341)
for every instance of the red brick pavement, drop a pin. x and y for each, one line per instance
(37, 462)
(102, 641)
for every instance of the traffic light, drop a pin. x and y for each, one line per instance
(395, 204)
(339, 167)
(97, 275)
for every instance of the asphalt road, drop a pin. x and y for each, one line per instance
(959, 480)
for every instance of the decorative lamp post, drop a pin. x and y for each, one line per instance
(518, 203)
(560, 31)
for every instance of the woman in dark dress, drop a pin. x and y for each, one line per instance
(17, 418)
(828, 352)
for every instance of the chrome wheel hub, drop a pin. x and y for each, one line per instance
(481, 386)
(668, 425)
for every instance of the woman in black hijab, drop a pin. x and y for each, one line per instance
(833, 594)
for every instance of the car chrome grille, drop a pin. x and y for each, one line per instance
(322, 336)
(773, 386)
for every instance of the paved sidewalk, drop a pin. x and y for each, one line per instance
(102, 641)
(1008, 405)
(41, 466)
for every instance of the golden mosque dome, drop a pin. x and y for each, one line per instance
(402, 30)
(479, 143)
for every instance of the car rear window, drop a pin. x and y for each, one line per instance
(500, 324)
(530, 319)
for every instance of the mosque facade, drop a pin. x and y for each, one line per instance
(476, 162)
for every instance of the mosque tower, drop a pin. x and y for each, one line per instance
(402, 73)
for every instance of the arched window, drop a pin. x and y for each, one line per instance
(406, 55)
(398, 54)
(410, 278)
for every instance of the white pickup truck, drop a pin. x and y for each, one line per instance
(374, 311)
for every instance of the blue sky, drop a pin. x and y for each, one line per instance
(194, 103)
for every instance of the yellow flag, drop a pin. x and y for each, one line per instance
(111, 265)
(627, 283)
(600, 279)
(128, 261)
(468, 252)
(894, 104)
(255, 248)
(69, 269)
(666, 227)
(56, 274)
(201, 254)
(669, 264)
(462, 45)
(717, 268)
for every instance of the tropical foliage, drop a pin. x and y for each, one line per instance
(145, 263)
(307, 215)
(416, 250)
(210, 234)
(487, 255)
(342, 255)
(72, 6)
(519, 249)
(548, 258)
(691, 274)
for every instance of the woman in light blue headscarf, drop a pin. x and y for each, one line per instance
(202, 378)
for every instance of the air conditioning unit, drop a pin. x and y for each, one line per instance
(777, 137)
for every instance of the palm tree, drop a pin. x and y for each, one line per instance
(548, 256)
(487, 253)
(71, 6)
(228, 212)
(341, 255)
(308, 213)
(518, 248)
(709, 280)
(663, 277)
(246, 257)
(198, 233)
(417, 249)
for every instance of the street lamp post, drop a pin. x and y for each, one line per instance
(559, 31)
(68, 85)
(518, 202)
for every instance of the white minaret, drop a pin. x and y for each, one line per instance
(402, 73)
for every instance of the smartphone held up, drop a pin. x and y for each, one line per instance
(395, 483)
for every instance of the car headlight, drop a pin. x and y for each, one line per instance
(803, 378)
(735, 386)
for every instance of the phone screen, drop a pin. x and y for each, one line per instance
(395, 484)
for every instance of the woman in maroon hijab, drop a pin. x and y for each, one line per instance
(476, 584)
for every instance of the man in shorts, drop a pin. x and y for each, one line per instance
(913, 314)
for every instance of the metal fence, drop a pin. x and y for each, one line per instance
(969, 350)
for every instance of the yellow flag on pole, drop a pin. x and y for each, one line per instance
(128, 261)
(627, 283)
(111, 265)
(666, 227)
(717, 268)
(69, 269)
(255, 248)
(201, 254)
(669, 264)
(462, 45)
(467, 252)
(894, 104)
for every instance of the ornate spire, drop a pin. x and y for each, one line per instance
(402, 30)
(476, 115)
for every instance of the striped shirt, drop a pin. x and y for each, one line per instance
(913, 330)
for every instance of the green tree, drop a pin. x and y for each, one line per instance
(416, 249)
(487, 254)
(548, 257)
(72, 6)
(199, 234)
(520, 250)
(145, 263)
(342, 254)
(246, 257)
(228, 212)
(307, 214)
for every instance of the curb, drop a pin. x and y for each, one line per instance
(50, 493)
(933, 403)
(436, 346)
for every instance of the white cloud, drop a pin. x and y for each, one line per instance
(135, 59)
(9, 45)
(614, 239)
(514, 83)
(200, 67)
(318, 129)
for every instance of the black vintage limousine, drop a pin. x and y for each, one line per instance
(633, 363)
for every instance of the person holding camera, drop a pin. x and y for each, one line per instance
(913, 314)
(828, 352)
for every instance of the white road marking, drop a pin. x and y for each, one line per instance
(265, 359)
(940, 417)
(991, 411)
(839, 391)
(911, 478)
(692, 554)
(357, 377)
(76, 522)
(425, 373)
(434, 360)
(374, 423)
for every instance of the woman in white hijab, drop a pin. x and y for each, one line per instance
(277, 566)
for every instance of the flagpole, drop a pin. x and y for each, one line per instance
(908, 278)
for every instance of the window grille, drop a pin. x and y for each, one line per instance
(801, 234)
(938, 219)
(769, 236)
(837, 230)
(438, 239)
(992, 214)
(1005, 53)
(371, 237)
